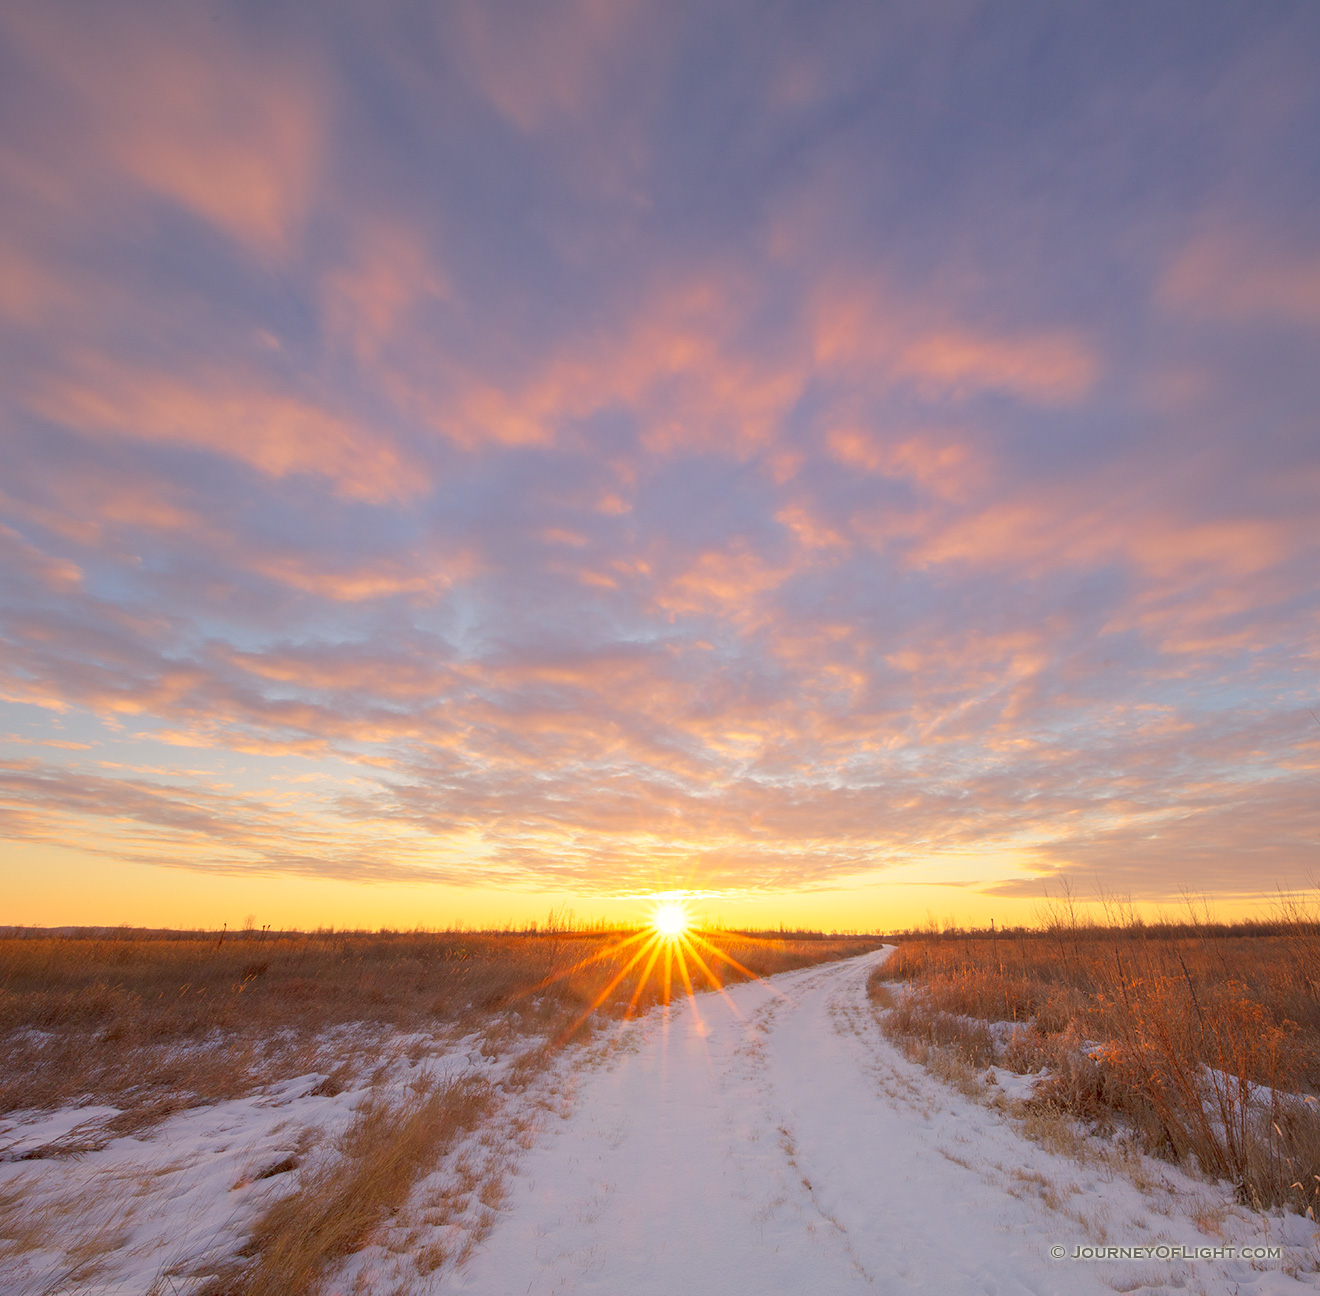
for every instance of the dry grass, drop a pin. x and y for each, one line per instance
(150, 1022)
(1203, 1040)
(335, 1209)
(86, 1228)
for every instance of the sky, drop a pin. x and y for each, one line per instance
(847, 462)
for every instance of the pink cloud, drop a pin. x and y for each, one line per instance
(370, 300)
(809, 528)
(540, 63)
(396, 678)
(676, 364)
(229, 413)
(727, 581)
(1242, 278)
(752, 495)
(1045, 369)
(106, 507)
(413, 574)
(680, 361)
(231, 133)
(30, 290)
(51, 573)
(883, 340)
(942, 462)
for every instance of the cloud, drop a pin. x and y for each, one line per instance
(1241, 278)
(675, 364)
(943, 463)
(276, 432)
(1047, 370)
(882, 337)
(1210, 843)
(370, 300)
(47, 571)
(174, 825)
(602, 446)
(537, 63)
(229, 130)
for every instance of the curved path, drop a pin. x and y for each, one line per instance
(774, 1142)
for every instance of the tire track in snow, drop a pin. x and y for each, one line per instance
(775, 1142)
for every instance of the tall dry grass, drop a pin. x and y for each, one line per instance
(335, 1209)
(1204, 1040)
(150, 1022)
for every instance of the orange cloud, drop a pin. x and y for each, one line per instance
(103, 507)
(728, 581)
(1033, 534)
(1192, 581)
(905, 642)
(1230, 547)
(90, 505)
(682, 365)
(941, 465)
(412, 574)
(810, 530)
(1037, 533)
(883, 340)
(277, 433)
(347, 671)
(677, 366)
(1045, 369)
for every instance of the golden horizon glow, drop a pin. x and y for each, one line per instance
(671, 919)
(50, 886)
(668, 950)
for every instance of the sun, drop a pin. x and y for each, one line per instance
(670, 920)
(670, 952)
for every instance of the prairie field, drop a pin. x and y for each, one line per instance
(405, 1114)
(348, 1067)
(168, 1018)
(1201, 1040)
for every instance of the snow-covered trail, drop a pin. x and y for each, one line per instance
(774, 1142)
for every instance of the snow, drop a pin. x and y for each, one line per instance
(773, 1141)
(21, 1133)
(768, 1140)
(188, 1187)
(1014, 1087)
(151, 1209)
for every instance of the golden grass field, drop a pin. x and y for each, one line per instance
(1202, 1039)
(146, 1020)
(151, 1023)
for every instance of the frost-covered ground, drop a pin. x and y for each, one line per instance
(84, 1211)
(767, 1141)
(775, 1142)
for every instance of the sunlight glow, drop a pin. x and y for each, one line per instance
(670, 920)
(670, 943)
